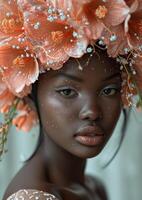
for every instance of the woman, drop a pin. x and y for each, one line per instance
(78, 103)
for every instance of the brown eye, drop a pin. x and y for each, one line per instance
(68, 92)
(110, 91)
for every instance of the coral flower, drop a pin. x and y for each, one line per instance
(6, 97)
(26, 121)
(123, 38)
(11, 20)
(116, 41)
(53, 37)
(27, 117)
(19, 67)
(102, 14)
(133, 24)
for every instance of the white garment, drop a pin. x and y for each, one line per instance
(31, 195)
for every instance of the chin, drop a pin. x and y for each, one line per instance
(89, 152)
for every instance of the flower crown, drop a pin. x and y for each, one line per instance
(38, 35)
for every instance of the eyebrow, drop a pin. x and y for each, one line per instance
(72, 77)
(112, 76)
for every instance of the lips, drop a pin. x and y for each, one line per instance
(89, 135)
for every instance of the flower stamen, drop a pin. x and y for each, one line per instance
(10, 25)
(20, 62)
(57, 36)
(101, 12)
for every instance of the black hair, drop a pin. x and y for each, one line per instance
(33, 97)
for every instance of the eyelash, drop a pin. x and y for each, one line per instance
(72, 92)
(69, 92)
(115, 89)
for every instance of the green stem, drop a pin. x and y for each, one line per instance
(6, 126)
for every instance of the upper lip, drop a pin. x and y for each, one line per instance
(89, 131)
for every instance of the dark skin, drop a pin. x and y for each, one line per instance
(68, 100)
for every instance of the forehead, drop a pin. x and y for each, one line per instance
(98, 65)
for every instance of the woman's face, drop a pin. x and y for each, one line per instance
(79, 108)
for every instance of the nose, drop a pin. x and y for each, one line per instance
(91, 111)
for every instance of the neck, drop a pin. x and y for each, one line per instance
(62, 168)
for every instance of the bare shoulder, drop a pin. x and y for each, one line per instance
(97, 186)
(26, 189)
(37, 191)
(22, 189)
(28, 182)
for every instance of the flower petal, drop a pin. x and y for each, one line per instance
(52, 58)
(6, 97)
(117, 12)
(96, 28)
(77, 48)
(134, 30)
(119, 45)
(27, 116)
(11, 20)
(18, 70)
(53, 47)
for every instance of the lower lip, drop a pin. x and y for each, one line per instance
(90, 140)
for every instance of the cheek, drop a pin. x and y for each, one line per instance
(111, 115)
(56, 115)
